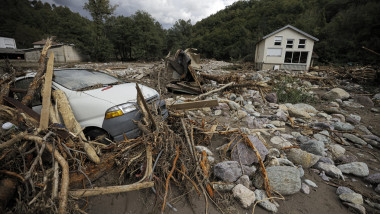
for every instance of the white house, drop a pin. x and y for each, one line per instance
(287, 48)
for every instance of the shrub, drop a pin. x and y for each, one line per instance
(291, 90)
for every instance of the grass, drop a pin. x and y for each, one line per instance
(291, 90)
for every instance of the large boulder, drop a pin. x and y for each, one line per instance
(284, 179)
(336, 93)
(356, 168)
(300, 157)
(244, 195)
(230, 171)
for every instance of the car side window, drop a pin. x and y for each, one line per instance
(24, 85)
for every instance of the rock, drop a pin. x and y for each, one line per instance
(352, 120)
(377, 189)
(272, 97)
(232, 96)
(279, 143)
(241, 114)
(322, 137)
(300, 157)
(284, 179)
(249, 108)
(277, 123)
(305, 189)
(233, 105)
(354, 139)
(337, 150)
(356, 117)
(364, 100)
(336, 93)
(323, 176)
(244, 180)
(330, 170)
(322, 114)
(218, 112)
(334, 104)
(356, 168)
(311, 183)
(341, 117)
(285, 162)
(266, 204)
(376, 96)
(306, 107)
(354, 198)
(314, 147)
(223, 187)
(326, 160)
(303, 139)
(372, 137)
(203, 148)
(346, 159)
(244, 195)
(343, 126)
(300, 169)
(295, 112)
(355, 208)
(352, 104)
(281, 115)
(373, 179)
(342, 189)
(332, 110)
(321, 125)
(273, 152)
(230, 171)
(245, 154)
(376, 110)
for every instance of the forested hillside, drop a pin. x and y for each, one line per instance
(342, 26)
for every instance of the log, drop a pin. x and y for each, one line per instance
(194, 104)
(72, 124)
(37, 79)
(213, 91)
(46, 94)
(110, 190)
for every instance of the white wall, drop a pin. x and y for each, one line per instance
(64, 53)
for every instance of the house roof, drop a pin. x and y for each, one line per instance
(293, 28)
(42, 42)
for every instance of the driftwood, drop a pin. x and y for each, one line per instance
(46, 94)
(37, 79)
(213, 91)
(110, 190)
(221, 78)
(194, 104)
(72, 124)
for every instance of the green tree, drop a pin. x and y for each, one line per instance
(179, 36)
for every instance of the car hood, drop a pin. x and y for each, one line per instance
(123, 93)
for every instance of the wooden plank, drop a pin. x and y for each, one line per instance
(194, 104)
(46, 93)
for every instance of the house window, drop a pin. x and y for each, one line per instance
(274, 51)
(277, 40)
(302, 43)
(296, 57)
(289, 43)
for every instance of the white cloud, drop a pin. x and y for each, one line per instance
(167, 12)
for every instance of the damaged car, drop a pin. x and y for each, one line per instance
(102, 104)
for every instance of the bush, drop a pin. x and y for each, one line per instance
(291, 90)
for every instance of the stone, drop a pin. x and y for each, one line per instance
(346, 159)
(352, 120)
(336, 93)
(326, 160)
(296, 112)
(377, 189)
(273, 152)
(277, 123)
(334, 104)
(332, 110)
(376, 96)
(218, 112)
(241, 114)
(303, 139)
(284, 179)
(323, 138)
(306, 107)
(305, 189)
(311, 183)
(223, 187)
(244, 180)
(232, 96)
(320, 125)
(281, 115)
(323, 176)
(372, 137)
(341, 117)
(354, 139)
(364, 100)
(230, 171)
(244, 195)
(300, 169)
(266, 204)
(300, 157)
(354, 198)
(245, 154)
(352, 104)
(233, 105)
(337, 150)
(355, 208)
(203, 148)
(342, 189)
(330, 170)
(279, 143)
(373, 178)
(271, 97)
(314, 147)
(249, 108)
(356, 117)
(340, 126)
(356, 168)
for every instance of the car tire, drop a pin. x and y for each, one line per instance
(98, 135)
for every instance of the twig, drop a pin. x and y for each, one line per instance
(168, 179)
(13, 140)
(110, 190)
(13, 174)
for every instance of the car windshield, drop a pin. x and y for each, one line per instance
(82, 80)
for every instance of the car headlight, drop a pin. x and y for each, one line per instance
(119, 110)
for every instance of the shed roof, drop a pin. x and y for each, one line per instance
(293, 28)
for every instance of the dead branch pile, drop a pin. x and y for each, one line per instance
(365, 74)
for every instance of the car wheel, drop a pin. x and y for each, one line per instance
(98, 135)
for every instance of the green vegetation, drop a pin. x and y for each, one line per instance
(343, 27)
(291, 90)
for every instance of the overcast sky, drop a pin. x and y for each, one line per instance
(167, 12)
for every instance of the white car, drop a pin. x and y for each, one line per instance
(101, 103)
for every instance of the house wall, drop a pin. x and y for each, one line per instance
(259, 59)
(269, 61)
(64, 53)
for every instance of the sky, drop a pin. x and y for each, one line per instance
(167, 12)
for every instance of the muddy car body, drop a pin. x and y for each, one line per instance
(101, 103)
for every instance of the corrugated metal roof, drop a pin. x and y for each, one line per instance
(293, 28)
